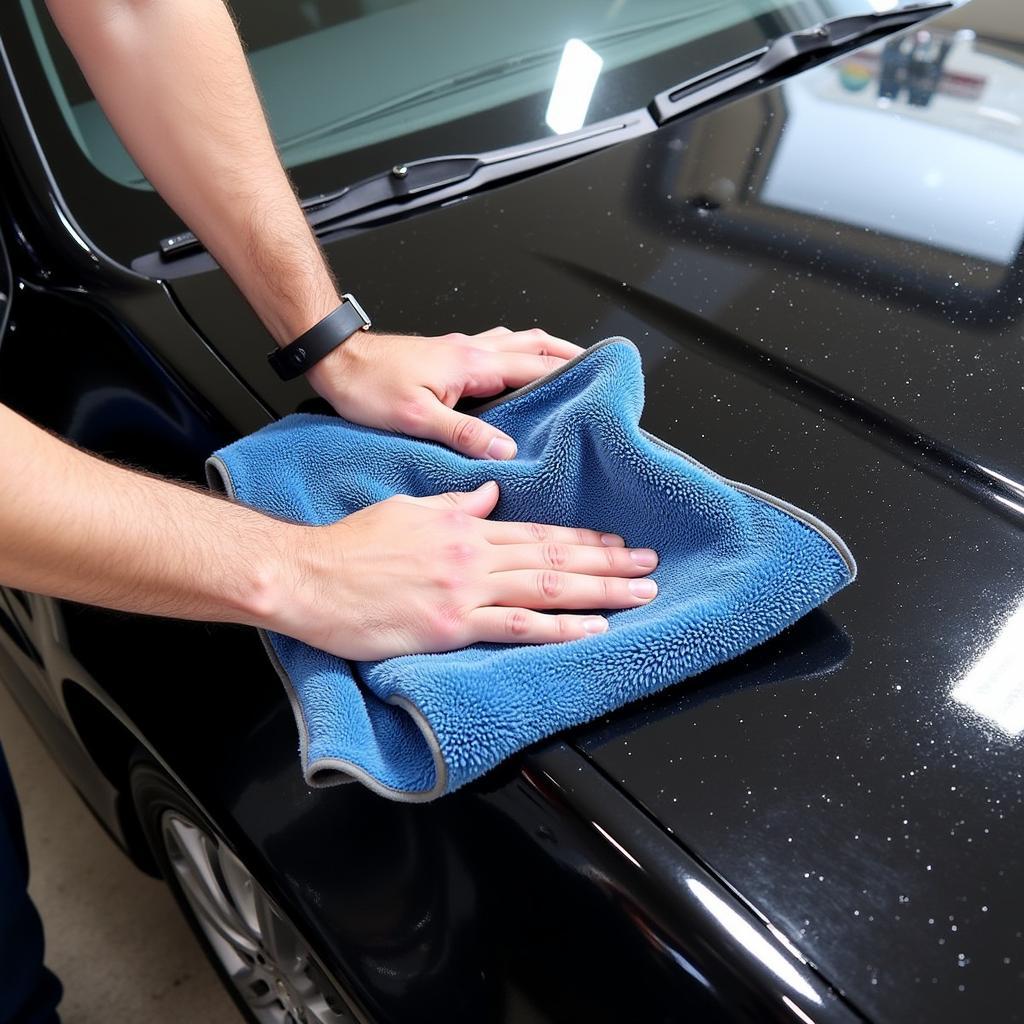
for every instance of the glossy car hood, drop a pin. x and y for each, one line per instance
(826, 291)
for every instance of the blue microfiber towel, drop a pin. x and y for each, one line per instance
(737, 566)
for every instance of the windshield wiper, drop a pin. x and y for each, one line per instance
(784, 55)
(442, 179)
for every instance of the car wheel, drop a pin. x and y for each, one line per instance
(259, 954)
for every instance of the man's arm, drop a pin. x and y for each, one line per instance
(403, 576)
(172, 77)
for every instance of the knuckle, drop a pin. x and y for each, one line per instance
(517, 622)
(466, 431)
(454, 517)
(555, 555)
(411, 413)
(459, 552)
(611, 558)
(565, 627)
(472, 359)
(449, 582)
(538, 531)
(541, 342)
(447, 622)
(550, 584)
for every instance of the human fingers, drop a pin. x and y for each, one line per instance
(542, 533)
(514, 369)
(588, 559)
(479, 502)
(549, 588)
(523, 626)
(466, 434)
(533, 342)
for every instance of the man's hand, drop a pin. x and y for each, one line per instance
(402, 576)
(409, 384)
(433, 574)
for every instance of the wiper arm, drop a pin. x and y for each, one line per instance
(783, 55)
(443, 178)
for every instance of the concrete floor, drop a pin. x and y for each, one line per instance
(114, 936)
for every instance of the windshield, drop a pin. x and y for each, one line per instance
(340, 76)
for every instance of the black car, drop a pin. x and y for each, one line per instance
(813, 233)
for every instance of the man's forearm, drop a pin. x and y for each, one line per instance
(77, 527)
(402, 576)
(172, 78)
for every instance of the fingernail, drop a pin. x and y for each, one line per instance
(611, 540)
(488, 485)
(643, 588)
(501, 448)
(595, 624)
(645, 557)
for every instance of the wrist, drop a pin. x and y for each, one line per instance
(288, 324)
(271, 576)
(286, 589)
(324, 338)
(330, 376)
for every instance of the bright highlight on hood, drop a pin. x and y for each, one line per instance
(994, 687)
(574, 85)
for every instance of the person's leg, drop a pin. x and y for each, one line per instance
(29, 993)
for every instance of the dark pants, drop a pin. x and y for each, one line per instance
(29, 993)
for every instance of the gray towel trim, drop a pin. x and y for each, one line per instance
(334, 771)
(813, 522)
(553, 375)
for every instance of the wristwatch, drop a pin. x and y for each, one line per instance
(320, 340)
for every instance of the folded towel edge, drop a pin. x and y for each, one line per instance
(812, 522)
(326, 772)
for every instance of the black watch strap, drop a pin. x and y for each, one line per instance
(320, 340)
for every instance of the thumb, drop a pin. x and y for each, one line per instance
(479, 503)
(470, 435)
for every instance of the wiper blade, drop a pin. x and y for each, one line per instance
(785, 54)
(441, 179)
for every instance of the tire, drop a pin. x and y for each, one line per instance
(260, 956)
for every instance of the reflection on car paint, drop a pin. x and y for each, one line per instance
(994, 684)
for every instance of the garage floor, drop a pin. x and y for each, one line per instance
(114, 936)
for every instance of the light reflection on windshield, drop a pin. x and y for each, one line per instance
(573, 88)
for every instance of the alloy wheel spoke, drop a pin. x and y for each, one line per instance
(319, 1011)
(194, 867)
(261, 952)
(241, 890)
(278, 938)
